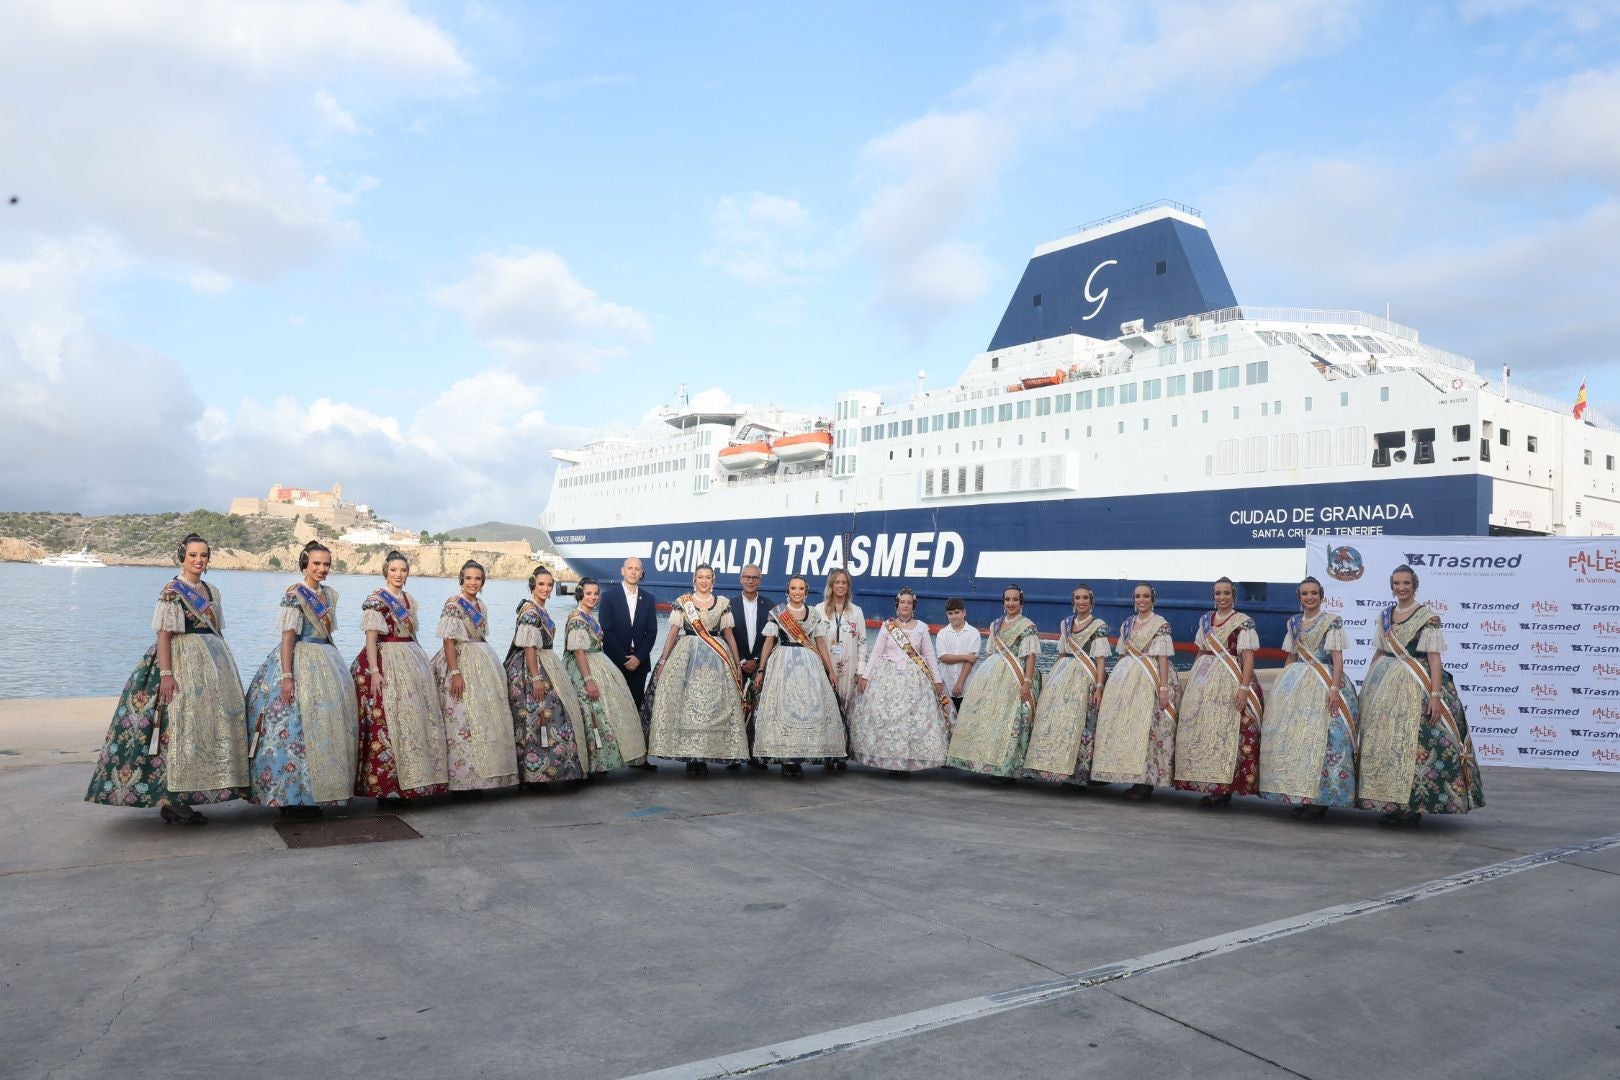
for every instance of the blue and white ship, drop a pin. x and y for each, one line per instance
(1129, 421)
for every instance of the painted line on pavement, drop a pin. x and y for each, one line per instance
(857, 1036)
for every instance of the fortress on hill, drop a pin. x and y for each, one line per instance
(326, 507)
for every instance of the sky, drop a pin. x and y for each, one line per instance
(414, 247)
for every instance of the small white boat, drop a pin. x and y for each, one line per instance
(75, 560)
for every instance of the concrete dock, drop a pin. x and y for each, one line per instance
(845, 925)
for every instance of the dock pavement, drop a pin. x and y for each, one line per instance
(846, 925)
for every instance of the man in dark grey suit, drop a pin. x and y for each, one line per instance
(748, 612)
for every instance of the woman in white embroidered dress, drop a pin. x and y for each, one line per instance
(472, 692)
(992, 730)
(1218, 730)
(798, 717)
(179, 735)
(1136, 722)
(900, 720)
(1066, 716)
(1308, 735)
(402, 742)
(846, 644)
(697, 713)
(301, 704)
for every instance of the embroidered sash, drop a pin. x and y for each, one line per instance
(1126, 635)
(694, 622)
(1212, 642)
(903, 640)
(197, 601)
(400, 610)
(1004, 652)
(1082, 645)
(317, 610)
(1308, 654)
(1389, 643)
(592, 627)
(794, 628)
(470, 611)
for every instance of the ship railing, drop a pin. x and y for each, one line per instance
(1336, 316)
(1515, 392)
(1447, 358)
(1160, 204)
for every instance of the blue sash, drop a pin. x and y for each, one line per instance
(470, 610)
(400, 611)
(318, 611)
(197, 602)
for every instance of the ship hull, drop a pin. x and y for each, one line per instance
(1180, 542)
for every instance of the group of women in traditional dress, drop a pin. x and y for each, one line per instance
(397, 725)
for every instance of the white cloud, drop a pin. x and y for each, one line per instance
(529, 309)
(1571, 132)
(164, 122)
(930, 176)
(764, 239)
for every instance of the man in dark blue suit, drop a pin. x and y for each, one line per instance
(748, 612)
(629, 627)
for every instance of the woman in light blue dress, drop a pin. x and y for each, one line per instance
(301, 706)
(798, 716)
(1308, 736)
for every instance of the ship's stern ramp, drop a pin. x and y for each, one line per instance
(1154, 263)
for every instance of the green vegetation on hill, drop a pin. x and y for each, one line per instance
(539, 539)
(145, 535)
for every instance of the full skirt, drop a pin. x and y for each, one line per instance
(1307, 754)
(1217, 744)
(612, 722)
(992, 728)
(1065, 726)
(477, 728)
(307, 751)
(403, 752)
(1135, 740)
(546, 720)
(897, 723)
(798, 716)
(202, 752)
(1408, 763)
(697, 713)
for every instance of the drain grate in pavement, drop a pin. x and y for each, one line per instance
(336, 831)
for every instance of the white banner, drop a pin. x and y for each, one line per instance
(1532, 628)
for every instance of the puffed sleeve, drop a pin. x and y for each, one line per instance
(578, 638)
(372, 618)
(1337, 640)
(677, 617)
(169, 615)
(1162, 644)
(1430, 639)
(292, 615)
(1288, 638)
(1248, 639)
(452, 627)
(528, 636)
(1099, 644)
(726, 621)
(769, 629)
(1030, 647)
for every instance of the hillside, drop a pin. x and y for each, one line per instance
(503, 530)
(144, 536)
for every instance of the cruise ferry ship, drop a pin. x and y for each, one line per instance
(1129, 421)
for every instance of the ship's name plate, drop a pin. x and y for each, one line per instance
(894, 555)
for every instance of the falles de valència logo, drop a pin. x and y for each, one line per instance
(1345, 564)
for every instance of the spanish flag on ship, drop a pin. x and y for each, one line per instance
(1580, 401)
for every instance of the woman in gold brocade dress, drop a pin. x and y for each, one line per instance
(1136, 723)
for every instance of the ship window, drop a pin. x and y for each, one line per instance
(1504, 436)
(978, 478)
(1344, 397)
(995, 363)
(1121, 428)
(1608, 462)
(1035, 300)
(1088, 431)
(1043, 406)
(1127, 393)
(928, 483)
(1192, 352)
(1530, 443)
(1285, 452)
(1105, 396)
(1004, 412)
(1383, 393)
(1063, 402)
(961, 478)
(1462, 433)
(1206, 416)
(1265, 408)
(1151, 389)
(1175, 386)
(1217, 346)
(939, 421)
(1082, 400)
(987, 415)
(1236, 412)
(970, 417)
(954, 421)
(1023, 409)
(922, 425)
(1175, 419)
(1318, 448)
(905, 427)
(1020, 440)
(1144, 423)
(1276, 408)
(1257, 372)
(1228, 377)
(1167, 355)
(1587, 457)
(1159, 268)
(1203, 381)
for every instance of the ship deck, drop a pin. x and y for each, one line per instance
(846, 926)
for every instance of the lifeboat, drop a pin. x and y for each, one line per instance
(804, 447)
(746, 457)
(1039, 381)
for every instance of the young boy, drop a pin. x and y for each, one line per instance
(957, 647)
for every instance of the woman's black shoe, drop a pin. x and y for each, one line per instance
(177, 814)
